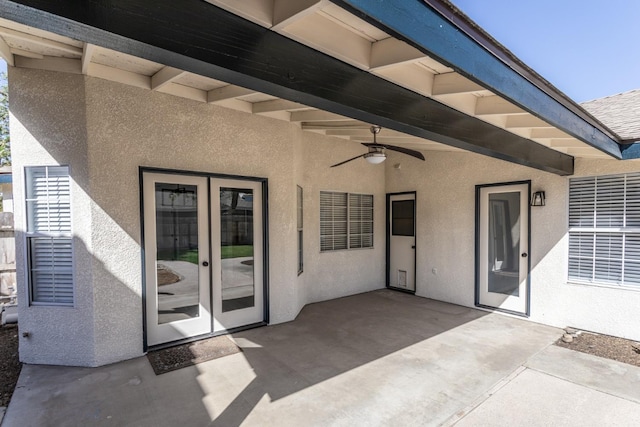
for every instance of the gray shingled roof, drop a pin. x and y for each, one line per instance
(620, 113)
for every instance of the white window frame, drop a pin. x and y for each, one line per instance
(350, 219)
(604, 219)
(62, 235)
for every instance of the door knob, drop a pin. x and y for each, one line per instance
(205, 263)
(524, 255)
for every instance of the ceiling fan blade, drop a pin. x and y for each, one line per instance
(347, 161)
(408, 151)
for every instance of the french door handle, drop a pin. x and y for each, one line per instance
(524, 255)
(205, 263)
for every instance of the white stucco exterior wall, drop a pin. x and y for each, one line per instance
(48, 127)
(445, 186)
(105, 131)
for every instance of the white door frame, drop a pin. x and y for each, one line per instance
(157, 333)
(408, 241)
(521, 304)
(209, 252)
(225, 321)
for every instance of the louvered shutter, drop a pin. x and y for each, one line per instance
(49, 235)
(604, 229)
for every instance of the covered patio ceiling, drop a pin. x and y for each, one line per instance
(333, 67)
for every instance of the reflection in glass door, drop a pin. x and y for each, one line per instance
(178, 303)
(188, 290)
(236, 210)
(503, 247)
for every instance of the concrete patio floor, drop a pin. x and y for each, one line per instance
(380, 358)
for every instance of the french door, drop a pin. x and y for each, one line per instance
(203, 240)
(502, 262)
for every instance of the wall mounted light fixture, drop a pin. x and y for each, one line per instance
(538, 198)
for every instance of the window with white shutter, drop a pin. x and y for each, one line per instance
(49, 239)
(346, 221)
(604, 229)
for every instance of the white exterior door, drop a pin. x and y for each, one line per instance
(176, 243)
(237, 253)
(402, 241)
(204, 252)
(503, 247)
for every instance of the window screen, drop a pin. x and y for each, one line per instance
(402, 218)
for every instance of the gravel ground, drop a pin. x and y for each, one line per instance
(614, 348)
(9, 364)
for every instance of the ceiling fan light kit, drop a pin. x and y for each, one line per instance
(375, 158)
(376, 154)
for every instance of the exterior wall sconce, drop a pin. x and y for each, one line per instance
(538, 198)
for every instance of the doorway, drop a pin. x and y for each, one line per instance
(204, 255)
(502, 247)
(401, 241)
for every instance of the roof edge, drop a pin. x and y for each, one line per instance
(488, 42)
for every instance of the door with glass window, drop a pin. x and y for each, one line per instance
(401, 241)
(203, 240)
(237, 253)
(502, 262)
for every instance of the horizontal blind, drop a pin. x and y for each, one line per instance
(604, 229)
(333, 221)
(49, 239)
(360, 221)
(346, 221)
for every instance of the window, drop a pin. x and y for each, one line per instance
(299, 223)
(604, 229)
(346, 221)
(49, 247)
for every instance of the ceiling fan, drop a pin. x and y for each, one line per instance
(376, 153)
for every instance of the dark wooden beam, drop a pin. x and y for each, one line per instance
(200, 38)
(433, 33)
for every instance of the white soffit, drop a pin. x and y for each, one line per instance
(319, 24)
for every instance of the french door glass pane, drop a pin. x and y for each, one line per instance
(177, 252)
(236, 241)
(504, 243)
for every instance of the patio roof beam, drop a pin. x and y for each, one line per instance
(87, 52)
(165, 76)
(418, 23)
(246, 54)
(5, 52)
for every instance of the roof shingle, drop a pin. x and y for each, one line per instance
(620, 113)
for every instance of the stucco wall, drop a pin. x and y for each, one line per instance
(445, 186)
(340, 273)
(105, 131)
(48, 127)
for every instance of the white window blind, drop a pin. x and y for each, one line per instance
(49, 236)
(604, 229)
(360, 221)
(346, 221)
